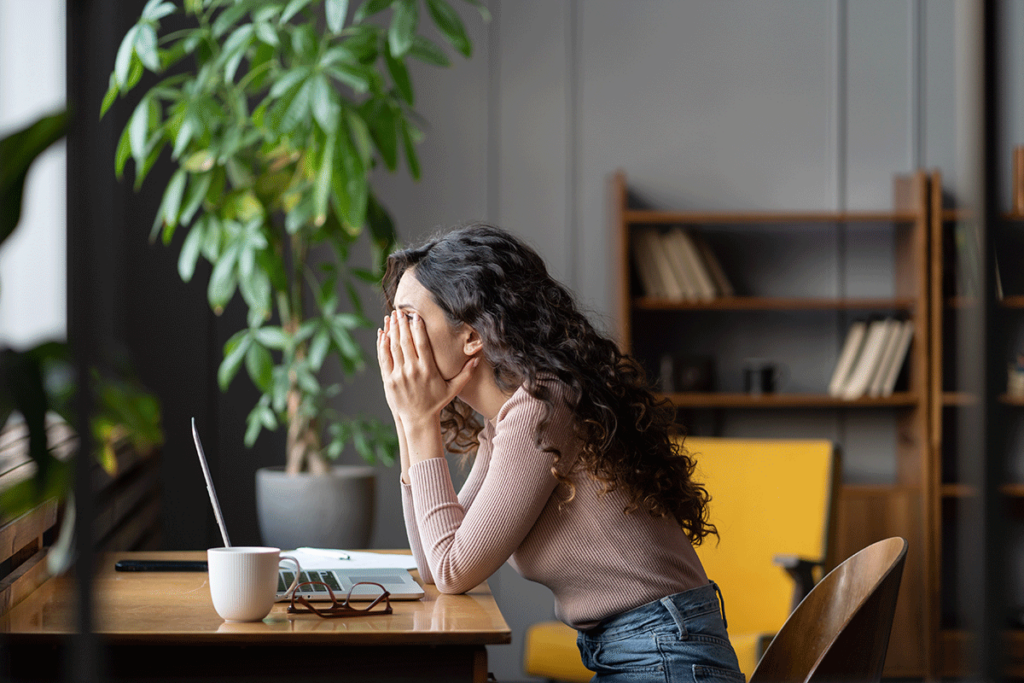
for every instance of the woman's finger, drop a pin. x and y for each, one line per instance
(408, 345)
(383, 352)
(420, 339)
(395, 334)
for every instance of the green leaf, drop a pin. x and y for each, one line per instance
(273, 337)
(190, 248)
(139, 130)
(230, 17)
(260, 366)
(399, 74)
(223, 280)
(355, 184)
(253, 426)
(369, 8)
(293, 8)
(298, 109)
(322, 189)
(353, 76)
(124, 152)
(155, 10)
(336, 11)
(112, 92)
(184, 136)
(197, 190)
(170, 207)
(403, 27)
(324, 104)
(288, 80)
(410, 151)
(235, 352)
(427, 51)
(145, 47)
(351, 354)
(383, 129)
(123, 60)
(319, 347)
(266, 33)
(448, 21)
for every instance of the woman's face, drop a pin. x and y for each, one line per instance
(452, 348)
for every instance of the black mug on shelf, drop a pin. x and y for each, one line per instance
(762, 377)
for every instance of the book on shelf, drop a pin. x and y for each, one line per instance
(681, 267)
(677, 264)
(679, 240)
(673, 288)
(897, 357)
(646, 268)
(851, 349)
(722, 284)
(866, 364)
(886, 358)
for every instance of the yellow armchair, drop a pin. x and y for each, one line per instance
(773, 502)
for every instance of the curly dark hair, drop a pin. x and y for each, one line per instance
(532, 329)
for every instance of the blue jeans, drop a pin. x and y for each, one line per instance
(681, 637)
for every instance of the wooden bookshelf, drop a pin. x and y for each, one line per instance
(866, 513)
(952, 644)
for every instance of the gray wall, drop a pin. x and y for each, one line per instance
(775, 104)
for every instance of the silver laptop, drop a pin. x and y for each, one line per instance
(398, 582)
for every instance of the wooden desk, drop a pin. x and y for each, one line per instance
(162, 626)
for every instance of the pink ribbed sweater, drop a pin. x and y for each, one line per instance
(596, 560)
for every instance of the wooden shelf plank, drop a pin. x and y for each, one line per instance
(761, 303)
(1015, 301)
(1012, 400)
(1012, 490)
(783, 400)
(650, 217)
(958, 398)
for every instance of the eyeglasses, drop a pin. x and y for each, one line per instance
(343, 608)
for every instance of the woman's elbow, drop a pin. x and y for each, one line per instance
(452, 585)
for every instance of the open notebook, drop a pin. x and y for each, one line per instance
(341, 579)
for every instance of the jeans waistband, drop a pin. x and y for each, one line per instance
(680, 606)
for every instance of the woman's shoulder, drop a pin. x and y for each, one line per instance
(546, 401)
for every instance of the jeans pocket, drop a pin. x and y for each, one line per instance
(636, 655)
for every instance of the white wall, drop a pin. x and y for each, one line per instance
(33, 299)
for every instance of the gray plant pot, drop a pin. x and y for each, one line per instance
(334, 510)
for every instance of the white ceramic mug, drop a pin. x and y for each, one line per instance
(243, 580)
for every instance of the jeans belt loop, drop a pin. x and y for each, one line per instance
(721, 602)
(676, 616)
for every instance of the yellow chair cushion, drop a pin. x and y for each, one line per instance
(551, 652)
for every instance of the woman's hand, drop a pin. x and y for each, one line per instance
(413, 386)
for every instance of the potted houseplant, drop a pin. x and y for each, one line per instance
(274, 113)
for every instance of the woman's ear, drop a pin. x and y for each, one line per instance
(472, 342)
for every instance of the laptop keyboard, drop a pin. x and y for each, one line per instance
(285, 578)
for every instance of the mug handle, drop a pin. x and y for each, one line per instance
(298, 574)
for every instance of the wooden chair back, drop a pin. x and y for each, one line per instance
(840, 632)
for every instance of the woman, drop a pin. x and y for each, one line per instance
(576, 481)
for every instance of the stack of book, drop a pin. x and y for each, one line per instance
(678, 264)
(871, 358)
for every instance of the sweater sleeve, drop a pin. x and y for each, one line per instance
(465, 546)
(466, 495)
(412, 531)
